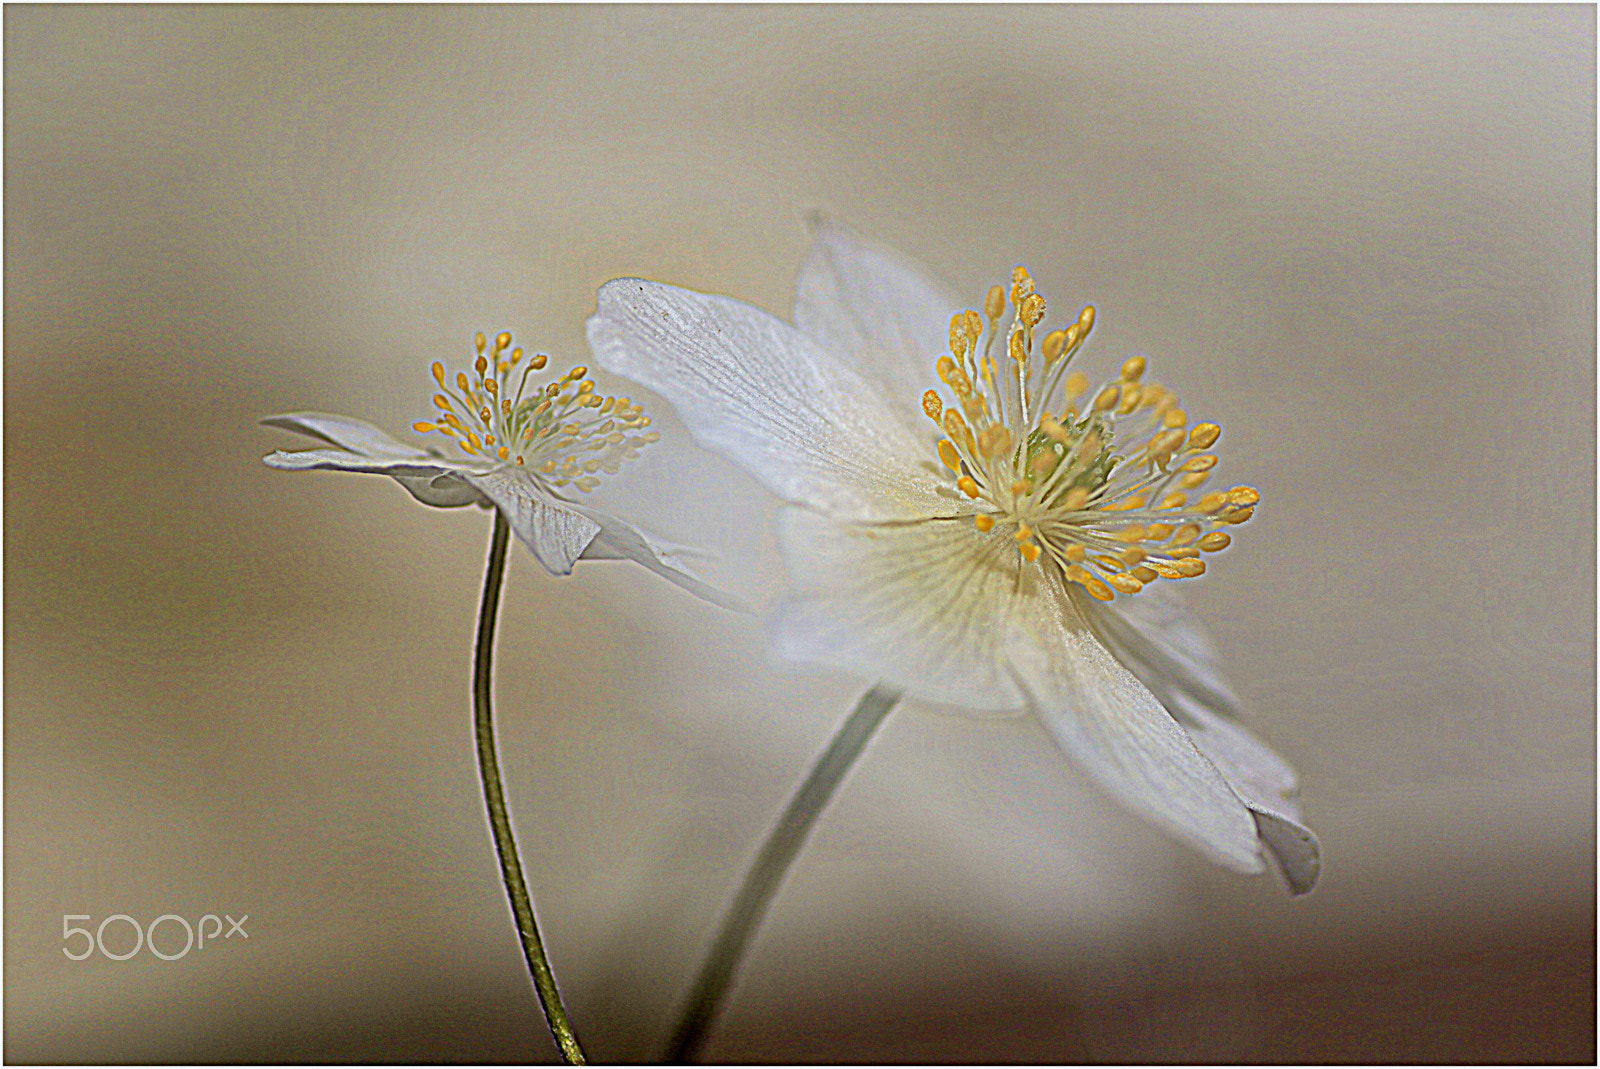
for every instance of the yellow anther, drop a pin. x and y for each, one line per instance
(945, 367)
(450, 418)
(958, 335)
(538, 362)
(1215, 540)
(1107, 399)
(956, 428)
(1075, 552)
(1031, 312)
(1238, 516)
(607, 405)
(1021, 285)
(1183, 551)
(1133, 555)
(1186, 534)
(461, 381)
(1165, 569)
(1156, 532)
(1136, 533)
(1054, 343)
(503, 368)
(1127, 504)
(1190, 568)
(967, 485)
(994, 441)
(1019, 486)
(652, 438)
(505, 407)
(1108, 564)
(1042, 464)
(474, 439)
(502, 341)
(974, 324)
(542, 407)
(504, 452)
(1029, 551)
(948, 454)
(1053, 429)
(1097, 588)
(1019, 351)
(480, 365)
(1076, 383)
(519, 461)
(1214, 502)
(1133, 368)
(516, 355)
(423, 428)
(1075, 498)
(995, 302)
(1130, 400)
(438, 372)
(480, 341)
(1144, 575)
(1203, 462)
(1086, 320)
(468, 447)
(983, 522)
(1166, 442)
(491, 386)
(1204, 435)
(1174, 500)
(1024, 532)
(1243, 495)
(1125, 584)
(577, 373)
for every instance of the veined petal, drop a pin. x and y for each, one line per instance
(756, 389)
(1115, 730)
(619, 540)
(1175, 659)
(865, 302)
(556, 532)
(354, 435)
(915, 604)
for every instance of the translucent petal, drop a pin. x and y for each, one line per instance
(556, 533)
(1116, 730)
(885, 314)
(752, 387)
(619, 540)
(357, 436)
(918, 605)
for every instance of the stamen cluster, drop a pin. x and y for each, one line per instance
(1102, 486)
(550, 428)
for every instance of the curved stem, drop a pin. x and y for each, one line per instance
(494, 798)
(767, 871)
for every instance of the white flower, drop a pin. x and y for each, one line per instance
(994, 559)
(521, 447)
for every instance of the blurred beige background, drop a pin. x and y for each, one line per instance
(1362, 239)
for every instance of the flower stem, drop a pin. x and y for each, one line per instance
(494, 798)
(767, 871)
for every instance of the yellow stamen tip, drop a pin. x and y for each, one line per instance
(502, 341)
(932, 405)
(480, 341)
(423, 428)
(1215, 540)
(438, 372)
(1204, 435)
(1133, 368)
(948, 454)
(967, 485)
(1030, 551)
(1054, 343)
(983, 522)
(1107, 399)
(1243, 495)
(995, 302)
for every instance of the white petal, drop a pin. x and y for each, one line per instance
(754, 388)
(864, 301)
(354, 435)
(1176, 660)
(917, 605)
(425, 477)
(619, 540)
(557, 533)
(1113, 728)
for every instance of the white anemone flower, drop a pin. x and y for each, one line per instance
(522, 447)
(1016, 553)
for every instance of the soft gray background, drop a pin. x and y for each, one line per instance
(1362, 239)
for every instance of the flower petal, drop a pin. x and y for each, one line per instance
(865, 302)
(557, 533)
(912, 604)
(619, 540)
(1172, 656)
(354, 435)
(753, 387)
(1113, 728)
(423, 476)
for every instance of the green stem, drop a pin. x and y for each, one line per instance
(767, 871)
(494, 796)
